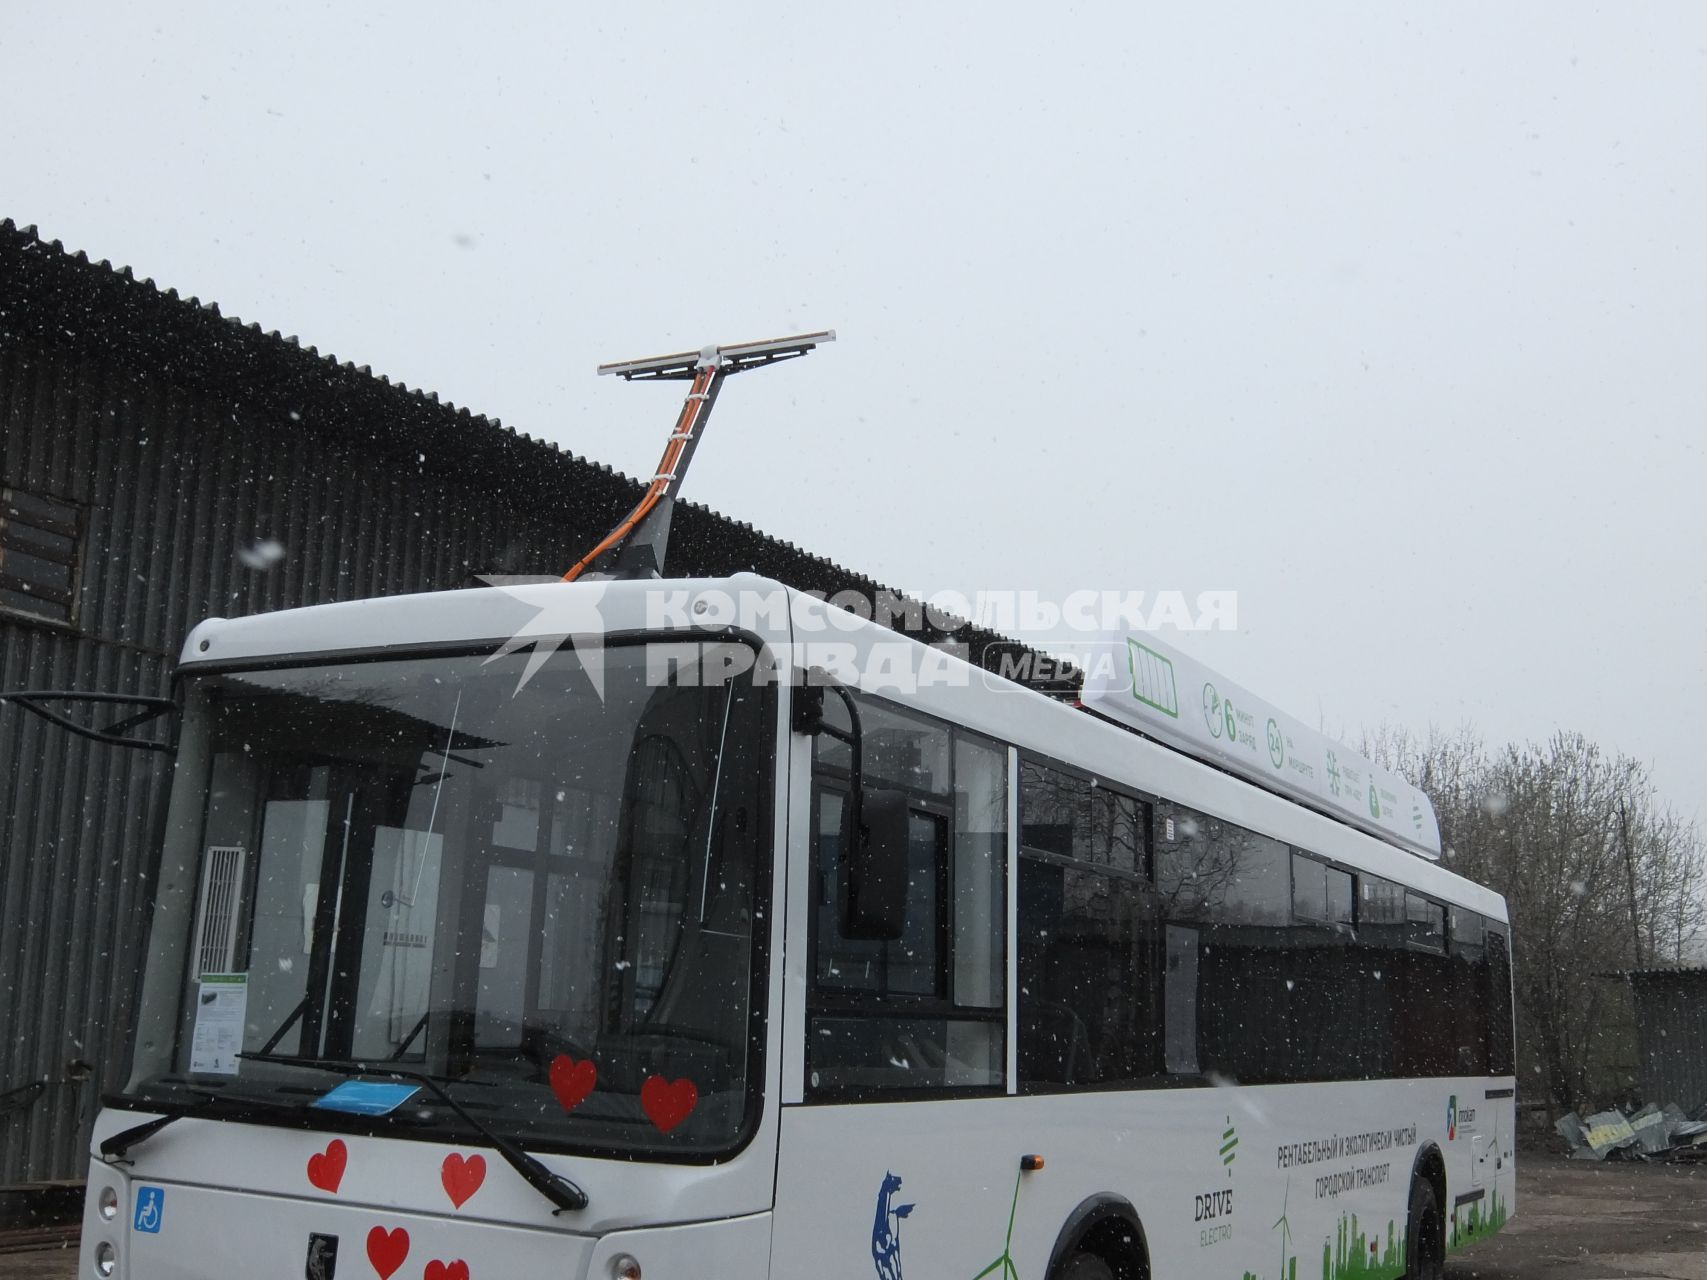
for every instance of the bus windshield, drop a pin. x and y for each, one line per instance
(541, 888)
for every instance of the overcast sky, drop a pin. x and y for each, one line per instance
(1395, 326)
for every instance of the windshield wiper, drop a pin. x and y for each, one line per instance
(209, 1101)
(553, 1186)
(289, 1022)
(407, 1040)
(113, 1149)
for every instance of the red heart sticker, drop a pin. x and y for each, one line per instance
(572, 1081)
(326, 1168)
(462, 1178)
(668, 1102)
(437, 1270)
(387, 1249)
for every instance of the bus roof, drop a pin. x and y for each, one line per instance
(1138, 680)
(1123, 749)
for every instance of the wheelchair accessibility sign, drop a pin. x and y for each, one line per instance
(150, 1208)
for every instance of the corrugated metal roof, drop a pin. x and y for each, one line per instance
(66, 298)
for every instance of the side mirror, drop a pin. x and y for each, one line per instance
(117, 733)
(876, 861)
(876, 869)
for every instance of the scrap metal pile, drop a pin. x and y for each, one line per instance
(1653, 1133)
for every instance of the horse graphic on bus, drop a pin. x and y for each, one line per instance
(886, 1229)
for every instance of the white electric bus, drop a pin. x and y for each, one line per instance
(715, 941)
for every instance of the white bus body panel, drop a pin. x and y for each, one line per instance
(1202, 1214)
(1159, 1149)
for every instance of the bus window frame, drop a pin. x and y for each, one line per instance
(827, 1000)
(1327, 864)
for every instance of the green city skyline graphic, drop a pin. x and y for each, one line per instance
(1349, 1255)
(1477, 1221)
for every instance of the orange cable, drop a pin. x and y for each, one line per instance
(666, 466)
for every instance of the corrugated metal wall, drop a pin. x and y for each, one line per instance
(171, 488)
(1671, 1025)
(185, 437)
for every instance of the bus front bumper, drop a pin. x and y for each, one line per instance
(141, 1230)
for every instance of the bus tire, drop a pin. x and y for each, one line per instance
(1425, 1234)
(1086, 1266)
(1102, 1239)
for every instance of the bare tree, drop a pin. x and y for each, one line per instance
(1600, 876)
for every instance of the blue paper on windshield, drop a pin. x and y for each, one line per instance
(367, 1097)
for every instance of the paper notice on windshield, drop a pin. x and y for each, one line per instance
(221, 1006)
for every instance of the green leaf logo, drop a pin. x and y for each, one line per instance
(1229, 1146)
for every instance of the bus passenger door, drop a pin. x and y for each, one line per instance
(889, 1161)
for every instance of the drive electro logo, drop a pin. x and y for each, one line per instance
(1212, 1211)
(1452, 1117)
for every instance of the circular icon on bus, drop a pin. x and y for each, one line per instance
(1374, 802)
(1232, 723)
(1276, 744)
(1212, 710)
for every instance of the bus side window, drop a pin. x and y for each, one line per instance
(1422, 997)
(1088, 963)
(1501, 1050)
(1266, 982)
(1316, 1005)
(1248, 963)
(926, 1010)
(1281, 967)
(1468, 973)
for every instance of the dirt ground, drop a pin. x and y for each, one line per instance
(1589, 1221)
(1577, 1220)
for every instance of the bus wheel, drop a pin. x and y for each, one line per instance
(1086, 1266)
(1425, 1235)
